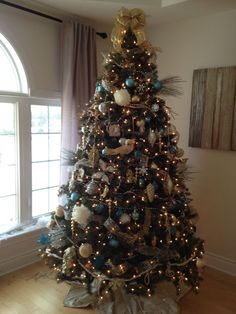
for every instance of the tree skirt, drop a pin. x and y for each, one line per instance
(163, 301)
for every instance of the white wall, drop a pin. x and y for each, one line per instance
(36, 40)
(203, 42)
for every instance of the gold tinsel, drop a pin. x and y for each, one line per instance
(134, 19)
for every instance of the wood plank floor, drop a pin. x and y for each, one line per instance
(32, 290)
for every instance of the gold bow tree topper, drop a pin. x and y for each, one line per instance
(133, 19)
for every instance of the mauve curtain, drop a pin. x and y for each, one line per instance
(79, 72)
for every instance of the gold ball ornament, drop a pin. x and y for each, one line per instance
(59, 212)
(85, 250)
(179, 152)
(135, 99)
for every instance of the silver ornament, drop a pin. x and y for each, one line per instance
(92, 188)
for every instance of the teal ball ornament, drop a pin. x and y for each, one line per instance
(148, 119)
(74, 196)
(114, 243)
(137, 154)
(172, 149)
(141, 182)
(99, 88)
(99, 262)
(129, 82)
(157, 85)
(99, 209)
(44, 239)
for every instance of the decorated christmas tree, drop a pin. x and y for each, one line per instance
(127, 219)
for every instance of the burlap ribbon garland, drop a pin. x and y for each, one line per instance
(134, 19)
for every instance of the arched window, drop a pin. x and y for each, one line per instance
(30, 135)
(12, 73)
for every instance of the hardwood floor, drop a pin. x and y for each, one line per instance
(32, 290)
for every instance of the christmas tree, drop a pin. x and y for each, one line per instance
(127, 218)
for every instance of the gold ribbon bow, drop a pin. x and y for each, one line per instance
(134, 19)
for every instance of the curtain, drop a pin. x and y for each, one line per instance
(79, 72)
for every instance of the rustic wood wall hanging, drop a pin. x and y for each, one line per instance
(213, 109)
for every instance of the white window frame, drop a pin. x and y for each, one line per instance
(24, 161)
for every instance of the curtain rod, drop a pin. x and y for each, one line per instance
(19, 7)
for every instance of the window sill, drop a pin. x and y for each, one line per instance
(38, 223)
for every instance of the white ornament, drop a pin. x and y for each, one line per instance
(122, 97)
(85, 250)
(124, 219)
(81, 214)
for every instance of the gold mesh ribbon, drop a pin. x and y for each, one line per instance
(134, 19)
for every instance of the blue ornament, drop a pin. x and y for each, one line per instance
(141, 182)
(172, 149)
(99, 88)
(129, 82)
(161, 130)
(100, 208)
(157, 85)
(119, 212)
(147, 119)
(155, 184)
(137, 153)
(74, 196)
(99, 262)
(114, 242)
(44, 239)
(173, 230)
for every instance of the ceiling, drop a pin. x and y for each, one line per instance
(157, 11)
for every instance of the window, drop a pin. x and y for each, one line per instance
(30, 135)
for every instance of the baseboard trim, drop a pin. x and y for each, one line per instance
(14, 263)
(220, 263)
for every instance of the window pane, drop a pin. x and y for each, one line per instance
(39, 147)
(54, 173)
(40, 202)
(54, 146)
(54, 119)
(8, 212)
(8, 181)
(53, 199)
(39, 119)
(8, 75)
(39, 175)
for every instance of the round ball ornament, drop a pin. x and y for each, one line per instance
(147, 119)
(105, 151)
(99, 262)
(74, 196)
(124, 219)
(129, 82)
(92, 188)
(100, 208)
(172, 149)
(85, 250)
(137, 154)
(135, 99)
(157, 85)
(114, 243)
(102, 107)
(155, 107)
(59, 212)
(122, 97)
(99, 88)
